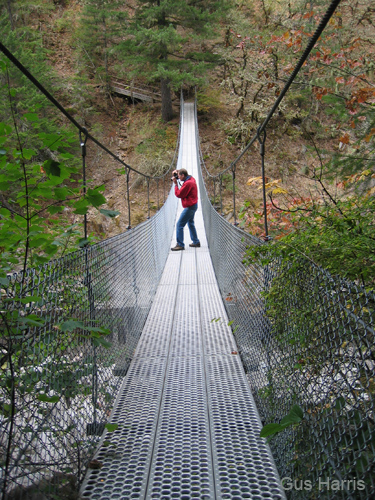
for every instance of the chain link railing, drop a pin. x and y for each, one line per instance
(59, 381)
(309, 342)
(62, 383)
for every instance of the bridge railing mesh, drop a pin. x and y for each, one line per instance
(317, 354)
(59, 381)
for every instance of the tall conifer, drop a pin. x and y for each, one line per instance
(166, 41)
(99, 25)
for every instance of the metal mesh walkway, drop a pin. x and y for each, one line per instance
(187, 423)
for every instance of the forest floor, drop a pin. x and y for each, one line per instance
(132, 133)
(136, 133)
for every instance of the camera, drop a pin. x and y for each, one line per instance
(175, 175)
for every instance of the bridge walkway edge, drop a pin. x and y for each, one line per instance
(187, 422)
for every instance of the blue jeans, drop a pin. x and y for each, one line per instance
(187, 217)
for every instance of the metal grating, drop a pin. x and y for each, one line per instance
(186, 338)
(187, 274)
(171, 270)
(206, 273)
(182, 464)
(243, 463)
(156, 332)
(217, 335)
(123, 460)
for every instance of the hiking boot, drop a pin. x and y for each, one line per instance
(177, 247)
(197, 245)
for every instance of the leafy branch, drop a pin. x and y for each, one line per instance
(294, 418)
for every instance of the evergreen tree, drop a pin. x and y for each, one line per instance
(99, 25)
(10, 12)
(166, 41)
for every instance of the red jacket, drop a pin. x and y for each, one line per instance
(188, 192)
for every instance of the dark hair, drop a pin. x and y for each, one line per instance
(183, 171)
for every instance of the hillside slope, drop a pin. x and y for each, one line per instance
(325, 117)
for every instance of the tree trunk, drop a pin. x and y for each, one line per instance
(9, 5)
(166, 101)
(265, 12)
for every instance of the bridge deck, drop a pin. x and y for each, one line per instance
(187, 424)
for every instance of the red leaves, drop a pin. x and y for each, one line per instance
(281, 221)
(371, 134)
(292, 38)
(363, 94)
(319, 92)
(242, 44)
(345, 139)
(360, 96)
(308, 15)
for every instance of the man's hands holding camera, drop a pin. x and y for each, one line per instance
(174, 176)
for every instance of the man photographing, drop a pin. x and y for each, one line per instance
(186, 189)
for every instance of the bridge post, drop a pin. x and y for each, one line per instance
(90, 293)
(221, 196)
(234, 193)
(262, 150)
(83, 153)
(128, 196)
(148, 196)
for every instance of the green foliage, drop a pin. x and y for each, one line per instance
(157, 143)
(111, 427)
(39, 181)
(208, 100)
(33, 191)
(338, 237)
(294, 417)
(40, 192)
(100, 24)
(157, 35)
(37, 362)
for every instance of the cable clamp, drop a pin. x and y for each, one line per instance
(83, 141)
(261, 140)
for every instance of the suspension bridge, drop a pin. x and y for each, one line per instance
(187, 423)
(173, 405)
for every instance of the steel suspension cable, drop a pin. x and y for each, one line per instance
(334, 4)
(323, 23)
(54, 101)
(261, 131)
